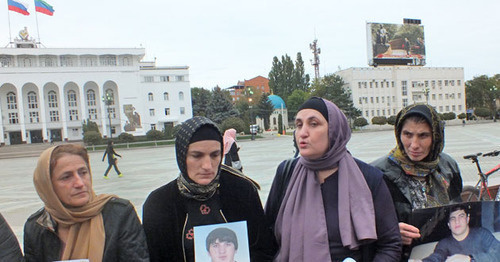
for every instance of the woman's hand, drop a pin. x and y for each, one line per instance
(408, 233)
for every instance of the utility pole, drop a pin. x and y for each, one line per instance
(315, 62)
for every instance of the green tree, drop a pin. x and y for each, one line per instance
(483, 91)
(482, 112)
(200, 98)
(155, 135)
(90, 125)
(360, 122)
(264, 109)
(449, 116)
(92, 138)
(391, 120)
(379, 120)
(285, 77)
(462, 116)
(220, 106)
(236, 123)
(295, 100)
(301, 79)
(331, 87)
(126, 137)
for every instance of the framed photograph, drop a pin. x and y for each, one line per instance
(222, 242)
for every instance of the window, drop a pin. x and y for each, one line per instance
(426, 83)
(404, 88)
(52, 97)
(446, 96)
(440, 109)
(447, 108)
(179, 78)
(151, 112)
(433, 96)
(440, 83)
(452, 82)
(66, 61)
(445, 82)
(54, 116)
(165, 96)
(360, 102)
(359, 84)
(150, 96)
(73, 115)
(459, 82)
(11, 101)
(153, 126)
(32, 100)
(164, 78)
(72, 98)
(34, 117)
(367, 113)
(181, 96)
(149, 79)
(92, 113)
(371, 84)
(459, 107)
(440, 96)
(371, 99)
(183, 110)
(91, 98)
(383, 100)
(13, 118)
(27, 62)
(108, 61)
(405, 102)
(378, 112)
(453, 108)
(5, 61)
(376, 99)
(376, 84)
(433, 83)
(112, 112)
(167, 111)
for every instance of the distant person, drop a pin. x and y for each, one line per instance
(112, 160)
(75, 223)
(222, 245)
(295, 146)
(204, 193)
(465, 243)
(9, 247)
(231, 157)
(330, 206)
(417, 172)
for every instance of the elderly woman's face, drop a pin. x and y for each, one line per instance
(311, 133)
(71, 180)
(202, 160)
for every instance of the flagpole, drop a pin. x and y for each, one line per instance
(37, 30)
(10, 33)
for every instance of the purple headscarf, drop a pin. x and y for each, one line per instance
(301, 221)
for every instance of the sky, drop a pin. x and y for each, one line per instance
(225, 41)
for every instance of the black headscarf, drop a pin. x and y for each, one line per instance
(193, 130)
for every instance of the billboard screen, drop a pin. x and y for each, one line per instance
(395, 44)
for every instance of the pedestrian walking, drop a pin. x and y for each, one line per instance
(112, 160)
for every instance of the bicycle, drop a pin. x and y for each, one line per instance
(481, 191)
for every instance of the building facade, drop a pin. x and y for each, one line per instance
(47, 93)
(385, 90)
(258, 84)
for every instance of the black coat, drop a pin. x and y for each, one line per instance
(110, 151)
(125, 239)
(9, 247)
(164, 214)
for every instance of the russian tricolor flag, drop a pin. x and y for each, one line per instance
(18, 7)
(42, 7)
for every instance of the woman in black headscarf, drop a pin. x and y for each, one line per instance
(205, 192)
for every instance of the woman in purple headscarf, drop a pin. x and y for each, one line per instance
(330, 206)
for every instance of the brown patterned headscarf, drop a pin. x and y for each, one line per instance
(189, 129)
(398, 155)
(86, 236)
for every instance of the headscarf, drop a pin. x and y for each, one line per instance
(86, 237)
(398, 154)
(187, 131)
(229, 139)
(301, 221)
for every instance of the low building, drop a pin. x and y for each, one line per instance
(279, 109)
(46, 93)
(385, 90)
(258, 84)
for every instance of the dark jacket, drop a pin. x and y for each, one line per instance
(388, 245)
(9, 247)
(110, 151)
(125, 239)
(164, 215)
(232, 158)
(394, 177)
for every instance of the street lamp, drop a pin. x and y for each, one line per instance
(108, 101)
(493, 90)
(426, 93)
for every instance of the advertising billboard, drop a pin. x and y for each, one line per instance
(395, 44)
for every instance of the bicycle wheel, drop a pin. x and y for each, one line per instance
(470, 194)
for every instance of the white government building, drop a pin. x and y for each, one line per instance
(46, 93)
(385, 90)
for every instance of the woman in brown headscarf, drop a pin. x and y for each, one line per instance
(75, 223)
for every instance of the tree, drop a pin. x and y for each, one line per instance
(483, 91)
(155, 135)
(391, 120)
(200, 98)
(482, 112)
(449, 116)
(220, 106)
(92, 138)
(126, 137)
(295, 100)
(236, 123)
(264, 109)
(360, 121)
(379, 120)
(285, 77)
(280, 124)
(331, 87)
(462, 116)
(89, 125)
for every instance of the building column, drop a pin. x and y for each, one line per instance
(104, 112)
(43, 115)
(2, 134)
(83, 106)
(63, 115)
(20, 110)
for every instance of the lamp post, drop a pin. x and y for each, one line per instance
(251, 118)
(108, 101)
(493, 91)
(426, 93)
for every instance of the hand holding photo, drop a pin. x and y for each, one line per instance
(226, 242)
